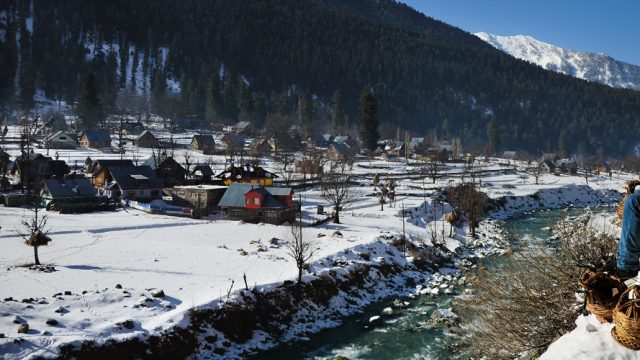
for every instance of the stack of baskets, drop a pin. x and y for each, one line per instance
(603, 292)
(626, 319)
(631, 187)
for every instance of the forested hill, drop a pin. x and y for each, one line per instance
(262, 59)
(397, 14)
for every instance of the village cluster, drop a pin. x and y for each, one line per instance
(117, 175)
(155, 167)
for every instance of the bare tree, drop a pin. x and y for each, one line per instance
(187, 160)
(36, 229)
(337, 191)
(299, 248)
(535, 171)
(391, 193)
(121, 131)
(27, 136)
(284, 165)
(587, 172)
(432, 169)
(469, 201)
(382, 195)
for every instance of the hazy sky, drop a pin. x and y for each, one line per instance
(612, 27)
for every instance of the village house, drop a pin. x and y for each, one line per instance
(548, 167)
(52, 124)
(260, 146)
(341, 152)
(167, 169)
(511, 155)
(285, 142)
(247, 174)
(133, 183)
(203, 174)
(255, 204)
(72, 194)
(132, 128)
(146, 140)
(232, 141)
(60, 140)
(95, 139)
(244, 128)
(319, 140)
(33, 168)
(204, 144)
(5, 161)
(395, 149)
(99, 170)
(352, 143)
(416, 142)
(567, 166)
(203, 198)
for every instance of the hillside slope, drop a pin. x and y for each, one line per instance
(255, 58)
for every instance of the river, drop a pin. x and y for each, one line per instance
(407, 335)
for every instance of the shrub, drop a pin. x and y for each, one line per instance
(524, 304)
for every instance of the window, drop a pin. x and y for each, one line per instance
(235, 212)
(256, 201)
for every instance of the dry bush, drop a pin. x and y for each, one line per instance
(525, 303)
(585, 246)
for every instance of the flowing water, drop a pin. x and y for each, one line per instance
(406, 335)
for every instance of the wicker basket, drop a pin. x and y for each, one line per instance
(626, 319)
(630, 187)
(603, 292)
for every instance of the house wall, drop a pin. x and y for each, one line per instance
(99, 179)
(207, 199)
(262, 182)
(142, 194)
(270, 216)
(253, 200)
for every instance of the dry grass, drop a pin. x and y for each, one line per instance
(526, 303)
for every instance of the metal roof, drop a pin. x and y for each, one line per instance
(69, 187)
(131, 177)
(234, 196)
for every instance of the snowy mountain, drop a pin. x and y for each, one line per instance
(597, 67)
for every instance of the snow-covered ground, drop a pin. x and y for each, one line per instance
(109, 265)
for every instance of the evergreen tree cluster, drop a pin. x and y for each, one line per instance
(307, 60)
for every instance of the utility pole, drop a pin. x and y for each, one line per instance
(300, 210)
(424, 196)
(404, 238)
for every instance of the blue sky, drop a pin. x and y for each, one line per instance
(612, 27)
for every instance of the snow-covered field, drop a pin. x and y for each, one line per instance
(108, 266)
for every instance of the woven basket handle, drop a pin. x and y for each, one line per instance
(631, 186)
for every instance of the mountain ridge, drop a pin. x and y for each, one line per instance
(599, 67)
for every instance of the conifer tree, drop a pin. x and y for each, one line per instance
(213, 101)
(562, 143)
(305, 112)
(8, 64)
(493, 133)
(27, 80)
(337, 112)
(244, 101)
(90, 106)
(367, 115)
